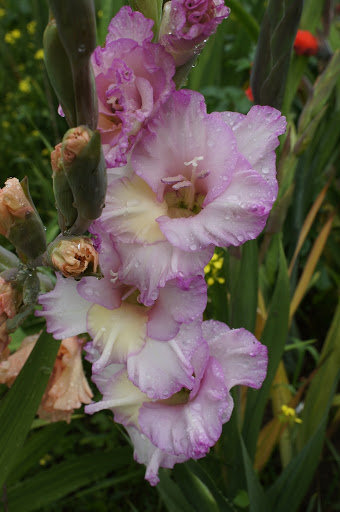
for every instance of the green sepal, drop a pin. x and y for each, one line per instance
(86, 175)
(59, 71)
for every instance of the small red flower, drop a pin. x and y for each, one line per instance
(305, 43)
(249, 93)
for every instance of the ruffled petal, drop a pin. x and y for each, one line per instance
(64, 309)
(180, 301)
(161, 369)
(189, 429)
(151, 267)
(243, 359)
(116, 333)
(257, 138)
(130, 24)
(153, 458)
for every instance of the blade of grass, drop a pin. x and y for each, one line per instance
(21, 402)
(308, 224)
(310, 266)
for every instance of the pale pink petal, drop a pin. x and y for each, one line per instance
(181, 132)
(243, 359)
(150, 267)
(64, 309)
(161, 369)
(189, 429)
(153, 458)
(257, 138)
(130, 24)
(180, 301)
(121, 397)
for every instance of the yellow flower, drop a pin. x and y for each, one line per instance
(5, 124)
(100, 13)
(24, 85)
(12, 36)
(39, 54)
(213, 268)
(289, 415)
(2, 12)
(31, 26)
(45, 152)
(35, 133)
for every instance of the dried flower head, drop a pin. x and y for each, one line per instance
(73, 257)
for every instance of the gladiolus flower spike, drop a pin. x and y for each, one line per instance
(181, 182)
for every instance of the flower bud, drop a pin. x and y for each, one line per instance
(19, 220)
(73, 143)
(79, 42)
(84, 166)
(73, 256)
(62, 191)
(59, 72)
(186, 26)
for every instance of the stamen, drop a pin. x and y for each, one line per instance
(182, 184)
(114, 276)
(173, 179)
(194, 161)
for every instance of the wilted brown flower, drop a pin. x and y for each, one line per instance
(74, 257)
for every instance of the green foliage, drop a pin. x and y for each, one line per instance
(87, 465)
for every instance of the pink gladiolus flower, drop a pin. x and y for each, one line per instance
(187, 24)
(133, 77)
(201, 179)
(189, 422)
(67, 388)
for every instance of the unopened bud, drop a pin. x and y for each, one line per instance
(19, 220)
(59, 72)
(79, 41)
(84, 166)
(62, 191)
(74, 142)
(73, 256)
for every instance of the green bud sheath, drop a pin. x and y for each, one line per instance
(59, 72)
(86, 173)
(77, 29)
(64, 200)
